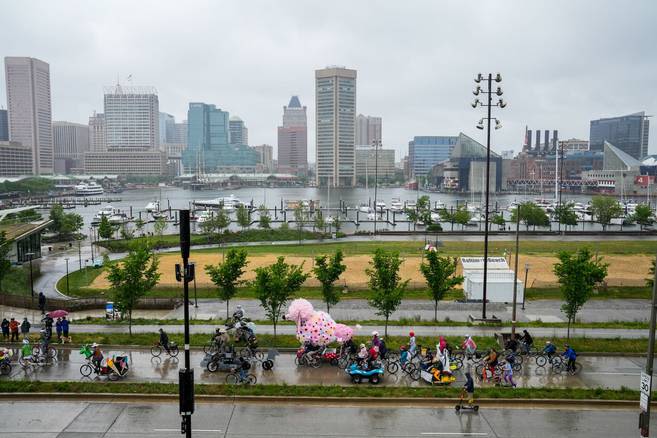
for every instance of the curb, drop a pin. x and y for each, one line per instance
(591, 404)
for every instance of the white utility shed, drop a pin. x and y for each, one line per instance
(500, 280)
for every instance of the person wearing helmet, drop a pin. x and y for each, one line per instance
(411, 344)
(26, 350)
(97, 356)
(238, 315)
(164, 340)
(375, 339)
(549, 349)
(526, 341)
(570, 354)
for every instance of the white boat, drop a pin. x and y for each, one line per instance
(229, 203)
(396, 205)
(380, 206)
(204, 216)
(118, 218)
(106, 211)
(88, 189)
(435, 217)
(364, 208)
(153, 206)
(439, 205)
(411, 205)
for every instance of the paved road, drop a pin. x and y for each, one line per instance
(68, 419)
(433, 331)
(598, 371)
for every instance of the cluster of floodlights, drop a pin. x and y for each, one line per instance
(498, 92)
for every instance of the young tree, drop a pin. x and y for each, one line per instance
(531, 214)
(160, 226)
(565, 214)
(139, 226)
(133, 277)
(578, 274)
(226, 275)
(275, 285)
(440, 273)
(385, 282)
(242, 216)
(105, 229)
(604, 209)
(462, 216)
(265, 218)
(643, 215)
(424, 210)
(337, 224)
(5, 264)
(320, 223)
(299, 219)
(498, 219)
(221, 221)
(126, 232)
(327, 270)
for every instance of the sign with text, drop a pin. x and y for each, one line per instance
(645, 390)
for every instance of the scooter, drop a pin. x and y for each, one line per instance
(465, 407)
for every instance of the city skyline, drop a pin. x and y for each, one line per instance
(546, 86)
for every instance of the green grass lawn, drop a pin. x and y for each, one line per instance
(17, 280)
(369, 391)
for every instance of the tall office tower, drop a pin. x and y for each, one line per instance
(293, 139)
(167, 128)
(180, 133)
(266, 154)
(70, 142)
(208, 142)
(424, 152)
(628, 133)
(4, 126)
(239, 134)
(368, 130)
(97, 139)
(131, 118)
(30, 110)
(335, 118)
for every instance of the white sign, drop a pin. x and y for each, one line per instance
(645, 390)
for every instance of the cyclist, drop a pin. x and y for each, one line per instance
(164, 340)
(97, 356)
(570, 354)
(469, 346)
(469, 387)
(26, 350)
(549, 350)
(411, 344)
(512, 344)
(221, 339)
(376, 341)
(508, 371)
(526, 340)
(238, 314)
(491, 361)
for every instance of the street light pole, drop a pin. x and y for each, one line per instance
(489, 105)
(644, 417)
(515, 275)
(524, 291)
(185, 375)
(376, 180)
(67, 287)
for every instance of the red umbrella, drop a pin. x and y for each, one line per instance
(57, 313)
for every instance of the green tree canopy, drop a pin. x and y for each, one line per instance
(105, 229)
(643, 215)
(160, 226)
(565, 214)
(226, 275)
(243, 217)
(604, 209)
(531, 215)
(265, 219)
(440, 274)
(498, 219)
(578, 274)
(275, 285)
(327, 270)
(64, 224)
(133, 277)
(384, 280)
(320, 223)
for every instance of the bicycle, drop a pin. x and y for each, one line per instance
(156, 350)
(236, 378)
(563, 366)
(542, 359)
(51, 353)
(252, 353)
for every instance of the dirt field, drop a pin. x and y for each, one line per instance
(623, 270)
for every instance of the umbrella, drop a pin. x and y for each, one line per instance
(57, 313)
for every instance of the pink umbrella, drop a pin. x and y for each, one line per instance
(57, 313)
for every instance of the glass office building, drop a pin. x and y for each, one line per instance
(424, 152)
(628, 133)
(208, 139)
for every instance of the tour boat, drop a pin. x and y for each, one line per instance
(153, 206)
(106, 211)
(88, 189)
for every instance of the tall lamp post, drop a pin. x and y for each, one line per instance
(67, 288)
(91, 244)
(376, 144)
(488, 104)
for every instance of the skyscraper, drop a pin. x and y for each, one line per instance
(167, 128)
(293, 139)
(424, 152)
(180, 133)
(4, 126)
(208, 142)
(628, 133)
(368, 130)
(131, 118)
(266, 154)
(239, 134)
(29, 109)
(97, 138)
(335, 118)
(70, 142)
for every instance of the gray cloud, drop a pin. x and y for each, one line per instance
(563, 62)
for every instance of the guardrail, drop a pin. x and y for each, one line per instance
(77, 304)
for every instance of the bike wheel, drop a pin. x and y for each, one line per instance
(208, 347)
(5, 369)
(212, 366)
(232, 379)
(315, 362)
(23, 362)
(297, 361)
(415, 374)
(52, 353)
(251, 379)
(259, 355)
(392, 367)
(517, 367)
(557, 367)
(86, 370)
(458, 362)
(113, 377)
(173, 351)
(156, 350)
(518, 358)
(541, 361)
(479, 370)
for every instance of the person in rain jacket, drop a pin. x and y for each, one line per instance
(411, 344)
(58, 329)
(5, 329)
(13, 328)
(469, 346)
(65, 326)
(25, 327)
(570, 354)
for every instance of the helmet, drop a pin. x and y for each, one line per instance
(362, 345)
(375, 333)
(26, 341)
(239, 307)
(161, 329)
(403, 348)
(566, 345)
(94, 345)
(467, 336)
(548, 342)
(411, 334)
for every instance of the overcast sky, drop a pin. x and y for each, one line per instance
(563, 62)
